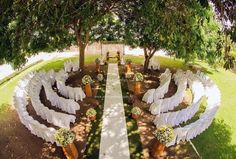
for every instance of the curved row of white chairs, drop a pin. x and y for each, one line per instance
(53, 117)
(29, 89)
(75, 93)
(71, 66)
(20, 102)
(154, 94)
(163, 105)
(201, 85)
(178, 117)
(190, 131)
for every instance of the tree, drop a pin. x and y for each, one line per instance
(32, 26)
(172, 25)
(226, 12)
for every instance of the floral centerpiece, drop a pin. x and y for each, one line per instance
(91, 114)
(97, 61)
(100, 77)
(136, 112)
(128, 66)
(66, 138)
(87, 80)
(138, 78)
(163, 134)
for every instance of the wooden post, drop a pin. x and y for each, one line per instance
(70, 151)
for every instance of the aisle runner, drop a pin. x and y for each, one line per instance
(114, 139)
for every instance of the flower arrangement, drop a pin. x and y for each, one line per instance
(100, 77)
(97, 61)
(87, 79)
(91, 112)
(64, 136)
(128, 61)
(164, 134)
(136, 111)
(138, 77)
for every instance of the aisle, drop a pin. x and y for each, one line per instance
(114, 139)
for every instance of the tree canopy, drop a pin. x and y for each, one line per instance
(185, 27)
(188, 28)
(32, 26)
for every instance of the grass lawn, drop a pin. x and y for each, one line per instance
(7, 88)
(219, 140)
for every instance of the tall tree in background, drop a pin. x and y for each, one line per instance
(183, 27)
(28, 27)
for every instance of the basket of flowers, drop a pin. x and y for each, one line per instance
(136, 112)
(97, 61)
(65, 138)
(138, 78)
(163, 134)
(87, 80)
(128, 65)
(91, 114)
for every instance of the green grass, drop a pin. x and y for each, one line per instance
(164, 61)
(7, 88)
(135, 145)
(94, 137)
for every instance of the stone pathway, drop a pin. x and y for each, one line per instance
(114, 139)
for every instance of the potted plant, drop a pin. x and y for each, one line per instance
(128, 65)
(136, 112)
(100, 77)
(65, 138)
(87, 80)
(91, 114)
(97, 61)
(163, 134)
(138, 78)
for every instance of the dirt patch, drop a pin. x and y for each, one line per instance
(16, 141)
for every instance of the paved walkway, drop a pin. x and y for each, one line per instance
(114, 139)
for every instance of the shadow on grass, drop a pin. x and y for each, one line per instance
(93, 143)
(215, 142)
(135, 145)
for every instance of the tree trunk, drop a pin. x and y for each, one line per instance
(146, 64)
(78, 32)
(148, 54)
(81, 57)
